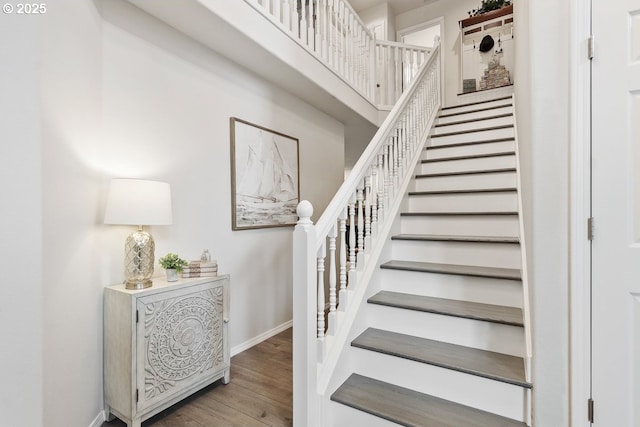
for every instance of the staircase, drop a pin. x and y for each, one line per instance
(441, 338)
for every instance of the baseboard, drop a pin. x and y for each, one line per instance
(257, 340)
(99, 419)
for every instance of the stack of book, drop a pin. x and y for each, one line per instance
(200, 269)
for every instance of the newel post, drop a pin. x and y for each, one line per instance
(305, 353)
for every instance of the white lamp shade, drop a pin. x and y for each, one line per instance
(138, 202)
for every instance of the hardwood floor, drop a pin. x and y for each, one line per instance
(259, 394)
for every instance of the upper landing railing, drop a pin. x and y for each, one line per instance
(334, 33)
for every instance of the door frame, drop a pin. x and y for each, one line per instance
(580, 208)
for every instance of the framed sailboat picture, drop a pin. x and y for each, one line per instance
(265, 183)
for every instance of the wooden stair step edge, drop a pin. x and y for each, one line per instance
(463, 309)
(497, 116)
(482, 363)
(479, 110)
(411, 408)
(451, 238)
(463, 144)
(470, 157)
(463, 191)
(459, 213)
(462, 132)
(467, 172)
(461, 270)
(476, 103)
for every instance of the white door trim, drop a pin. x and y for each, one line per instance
(424, 25)
(580, 208)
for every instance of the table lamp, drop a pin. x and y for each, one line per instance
(138, 202)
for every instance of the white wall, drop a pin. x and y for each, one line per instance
(452, 13)
(549, 24)
(21, 400)
(381, 14)
(124, 95)
(542, 92)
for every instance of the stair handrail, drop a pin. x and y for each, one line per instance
(367, 201)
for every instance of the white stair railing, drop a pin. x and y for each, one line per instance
(348, 238)
(396, 66)
(334, 33)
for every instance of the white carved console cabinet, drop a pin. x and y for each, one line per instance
(162, 344)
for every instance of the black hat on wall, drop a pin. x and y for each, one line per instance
(486, 44)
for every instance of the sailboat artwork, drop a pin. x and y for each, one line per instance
(265, 176)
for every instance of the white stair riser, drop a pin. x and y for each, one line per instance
(488, 336)
(485, 225)
(472, 107)
(465, 202)
(467, 182)
(453, 286)
(479, 164)
(449, 118)
(469, 150)
(488, 395)
(480, 135)
(346, 416)
(500, 255)
(480, 124)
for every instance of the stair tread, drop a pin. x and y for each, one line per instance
(449, 307)
(467, 172)
(495, 366)
(479, 110)
(464, 191)
(461, 132)
(477, 103)
(457, 213)
(463, 144)
(470, 156)
(411, 408)
(497, 116)
(463, 270)
(451, 238)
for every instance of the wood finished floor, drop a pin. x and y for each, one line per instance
(259, 393)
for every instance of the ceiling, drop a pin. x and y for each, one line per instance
(398, 6)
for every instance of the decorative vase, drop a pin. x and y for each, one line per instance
(172, 275)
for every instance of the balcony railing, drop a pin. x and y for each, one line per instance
(334, 33)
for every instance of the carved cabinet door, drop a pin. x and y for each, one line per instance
(179, 341)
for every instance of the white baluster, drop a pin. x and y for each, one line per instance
(332, 280)
(360, 228)
(352, 244)
(311, 24)
(342, 305)
(321, 255)
(387, 174)
(367, 213)
(325, 30)
(374, 198)
(276, 10)
(267, 5)
(399, 59)
(303, 22)
(380, 187)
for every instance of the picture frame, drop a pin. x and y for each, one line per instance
(265, 176)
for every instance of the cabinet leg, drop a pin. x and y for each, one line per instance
(227, 376)
(136, 422)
